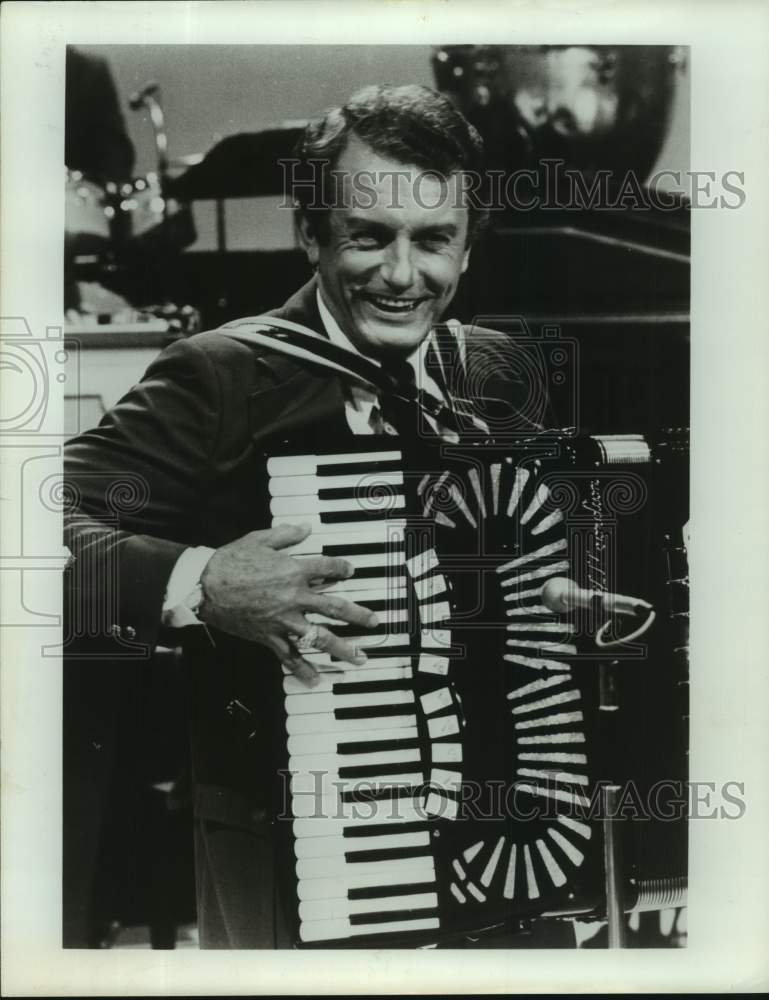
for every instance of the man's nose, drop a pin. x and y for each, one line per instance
(398, 267)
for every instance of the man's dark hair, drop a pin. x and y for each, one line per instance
(408, 124)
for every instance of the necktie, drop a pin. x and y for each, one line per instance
(408, 403)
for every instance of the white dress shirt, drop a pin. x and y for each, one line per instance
(183, 592)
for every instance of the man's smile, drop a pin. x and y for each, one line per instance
(394, 305)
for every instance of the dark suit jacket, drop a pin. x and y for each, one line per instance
(178, 462)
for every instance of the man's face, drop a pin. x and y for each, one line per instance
(395, 248)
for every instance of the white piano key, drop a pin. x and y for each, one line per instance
(535, 663)
(461, 874)
(536, 574)
(555, 758)
(509, 890)
(563, 628)
(433, 664)
(554, 870)
(475, 482)
(561, 698)
(532, 887)
(564, 777)
(521, 478)
(292, 465)
(552, 738)
(443, 725)
(566, 648)
(531, 610)
(332, 930)
(291, 506)
(559, 719)
(540, 497)
(522, 595)
(332, 762)
(333, 909)
(457, 893)
(422, 562)
(398, 869)
(541, 553)
(553, 518)
(430, 587)
(323, 743)
(292, 685)
(491, 864)
(382, 533)
(441, 806)
(390, 812)
(326, 847)
(380, 641)
(435, 638)
(442, 779)
(535, 686)
(461, 505)
(578, 827)
(572, 853)
(338, 529)
(470, 853)
(572, 796)
(434, 701)
(326, 722)
(311, 703)
(434, 613)
(475, 891)
(495, 470)
(325, 663)
(310, 485)
(325, 785)
(444, 753)
(334, 888)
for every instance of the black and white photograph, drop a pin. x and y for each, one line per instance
(356, 516)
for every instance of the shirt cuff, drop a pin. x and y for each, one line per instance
(182, 594)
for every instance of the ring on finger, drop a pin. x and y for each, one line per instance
(306, 643)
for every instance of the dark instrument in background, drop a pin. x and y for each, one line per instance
(596, 107)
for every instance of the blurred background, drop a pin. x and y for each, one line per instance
(173, 225)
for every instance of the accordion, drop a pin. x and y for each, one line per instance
(452, 783)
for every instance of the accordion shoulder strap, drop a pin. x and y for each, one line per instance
(298, 341)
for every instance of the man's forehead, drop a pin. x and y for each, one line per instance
(367, 183)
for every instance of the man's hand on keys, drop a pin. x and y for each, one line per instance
(255, 589)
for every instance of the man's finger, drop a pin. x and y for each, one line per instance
(283, 535)
(326, 568)
(344, 611)
(298, 666)
(326, 642)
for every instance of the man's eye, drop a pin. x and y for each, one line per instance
(435, 242)
(366, 242)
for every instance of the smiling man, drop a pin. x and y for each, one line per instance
(194, 559)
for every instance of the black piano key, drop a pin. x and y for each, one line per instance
(373, 711)
(377, 891)
(366, 771)
(357, 468)
(362, 831)
(390, 854)
(391, 916)
(377, 746)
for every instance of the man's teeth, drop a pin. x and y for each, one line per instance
(394, 305)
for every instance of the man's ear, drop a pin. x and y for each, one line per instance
(465, 261)
(308, 239)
